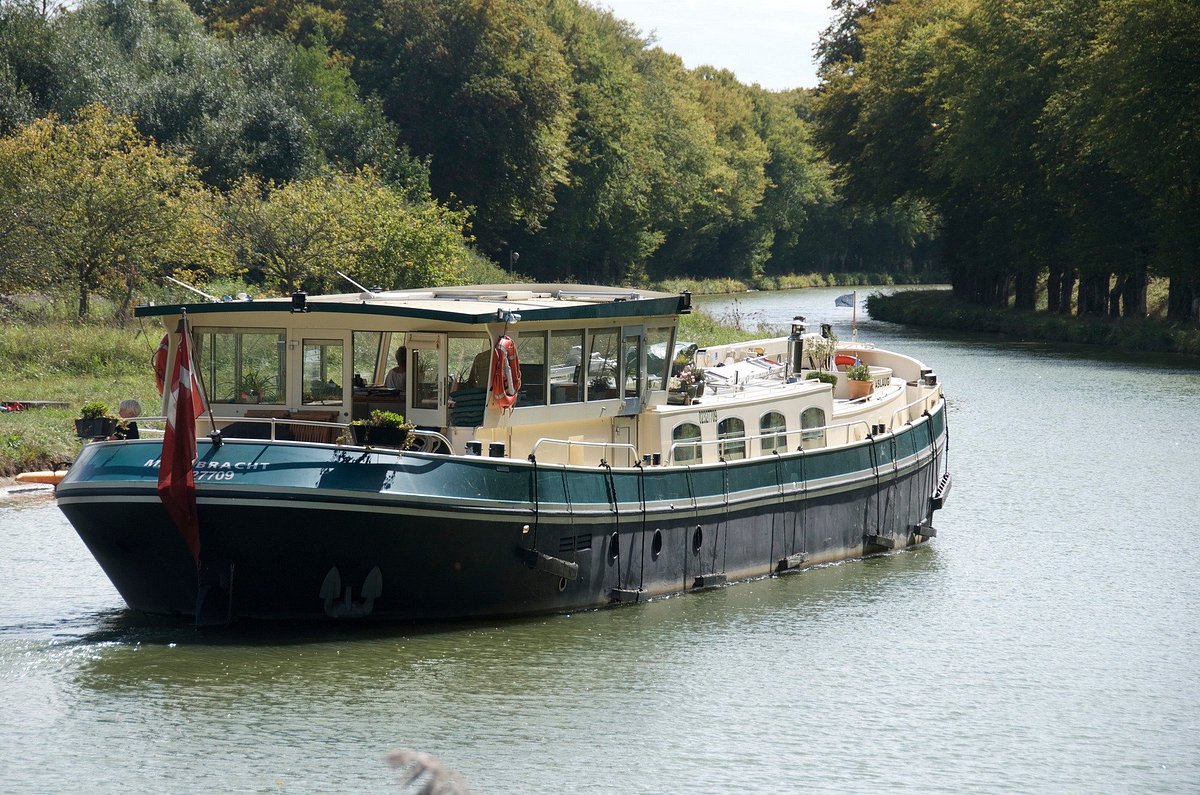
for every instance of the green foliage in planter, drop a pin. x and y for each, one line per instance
(94, 410)
(382, 419)
(825, 378)
(859, 372)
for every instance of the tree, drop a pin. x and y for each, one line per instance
(1140, 91)
(96, 205)
(482, 89)
(299, 234)
(28, 79)
(601, 224)
(257, 105)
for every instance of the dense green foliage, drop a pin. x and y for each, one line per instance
(942, 309)
(1055, 139)
(1025, 147)
(412, 140)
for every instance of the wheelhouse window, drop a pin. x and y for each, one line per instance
(686, 439)
(658, 356)
(565, 365)
(732, 432)
(772, 427)
(532, 349)
(323, 361)
(470, 364)
(631, 355)
(242, 365)
(812, 428)
(423, 372)
(602, 362)
(370, 358)
(470, 359)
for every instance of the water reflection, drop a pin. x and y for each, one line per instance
(129, 651)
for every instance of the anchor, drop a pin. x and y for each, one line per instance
(339, 603)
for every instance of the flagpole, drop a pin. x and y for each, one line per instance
(216, 437)
(854, 316)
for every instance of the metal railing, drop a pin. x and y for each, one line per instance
(933, 396)
(569, 443)
(811, 432)
(432, 440)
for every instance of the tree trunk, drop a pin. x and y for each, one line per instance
(1054, 283)
(1065, 291)
(1183, 300)
(83, 298)
(1026, 290)
(1093, 294)
(1133, 299)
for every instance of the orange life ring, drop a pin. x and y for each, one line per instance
(846, 359)
(506, 372)
(160, 364)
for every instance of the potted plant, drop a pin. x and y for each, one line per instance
(820, 350)
(382, 429)
(860, 384)
(685, 385)
(253, 388)
(823, 377)
(601, 387)
(94, 421)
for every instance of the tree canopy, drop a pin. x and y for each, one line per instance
(96, 205)
(1031, 147)
(1055, 138)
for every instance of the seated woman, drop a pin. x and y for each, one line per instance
(397, 375)
(126, 428)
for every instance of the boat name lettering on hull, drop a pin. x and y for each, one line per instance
(217, 466)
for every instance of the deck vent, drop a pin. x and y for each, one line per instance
(573, 543)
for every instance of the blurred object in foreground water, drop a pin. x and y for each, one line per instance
(423, 774)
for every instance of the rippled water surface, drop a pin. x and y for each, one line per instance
(1046, 641)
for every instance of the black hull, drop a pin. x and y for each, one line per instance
(274, 558)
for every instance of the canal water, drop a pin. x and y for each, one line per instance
(1046, 641)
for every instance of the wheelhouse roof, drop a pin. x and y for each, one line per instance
(469, 305)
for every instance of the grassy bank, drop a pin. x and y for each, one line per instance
(69, 362)
(940, 309)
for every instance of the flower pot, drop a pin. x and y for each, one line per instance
(860, 389)
(96, 428)
(374, 436)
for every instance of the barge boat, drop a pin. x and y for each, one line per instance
(564, 451)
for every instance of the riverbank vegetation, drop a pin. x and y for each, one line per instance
(942, 309)
(1054, 139)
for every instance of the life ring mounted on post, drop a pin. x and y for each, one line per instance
(160, 363)
(506, 372)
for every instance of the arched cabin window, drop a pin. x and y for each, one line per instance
(812, 427)
(728, 430)
(687, 453)
(773, 428)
